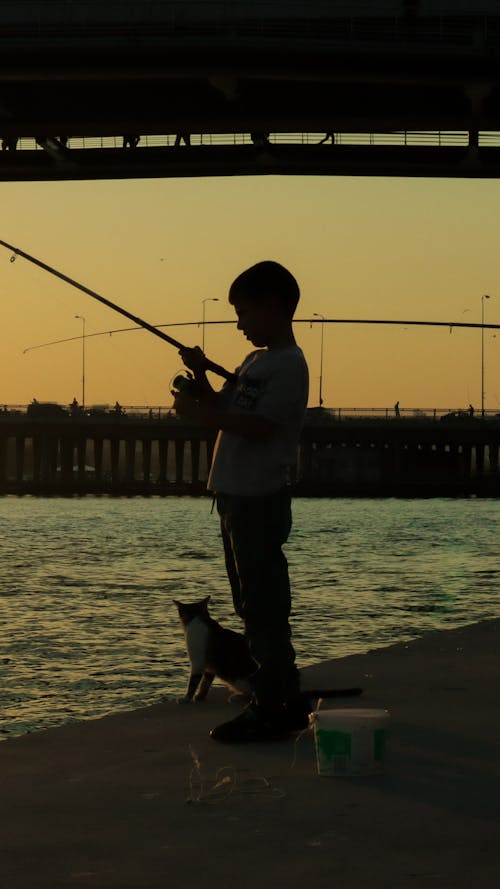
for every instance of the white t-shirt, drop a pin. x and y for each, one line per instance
(273, 384)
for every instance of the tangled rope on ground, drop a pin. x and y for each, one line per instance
(228, 782)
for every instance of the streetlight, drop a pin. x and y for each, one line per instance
(208, 299)
(485, 296)
(82, 319)
(319, 315)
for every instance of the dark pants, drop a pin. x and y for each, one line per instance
(254, 530)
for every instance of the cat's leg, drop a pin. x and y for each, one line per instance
(241, 693)
(194, 681)
(204, 686)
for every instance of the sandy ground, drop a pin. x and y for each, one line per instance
(105, 803)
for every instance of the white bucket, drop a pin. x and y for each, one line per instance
(350, 741)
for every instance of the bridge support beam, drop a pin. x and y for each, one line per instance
(130, 460)
(98, 443)
(115, 461)
(146, 460)
(162, 459)
(179, 461)
(493, 451)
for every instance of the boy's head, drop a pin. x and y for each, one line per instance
(267, 282)
(264, 298)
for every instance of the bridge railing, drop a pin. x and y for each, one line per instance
(51, 411)
(399, 138)
(458, 138)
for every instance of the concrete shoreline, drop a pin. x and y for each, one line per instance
(104, 803)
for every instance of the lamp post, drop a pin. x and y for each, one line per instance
(484, 296)
(208, 299)
(319, 315)
(82, 319)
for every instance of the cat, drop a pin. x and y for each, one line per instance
(216, 652)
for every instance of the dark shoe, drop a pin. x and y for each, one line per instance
(251, 726)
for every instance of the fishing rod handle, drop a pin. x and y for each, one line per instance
(220, 371)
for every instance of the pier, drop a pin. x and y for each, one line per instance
(125, 456)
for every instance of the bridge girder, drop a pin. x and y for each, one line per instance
(220, 90)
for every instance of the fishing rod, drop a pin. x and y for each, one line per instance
(450, 324)
(210, 365)
(215, 368)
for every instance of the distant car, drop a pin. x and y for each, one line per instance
(453, 416)
(46, 409)
(98, 410)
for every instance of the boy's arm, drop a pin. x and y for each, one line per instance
(207, 413)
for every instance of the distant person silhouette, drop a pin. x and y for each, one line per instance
(131, 141)
(9, 143)
(471, 410)
(260, 139)
(396, 409)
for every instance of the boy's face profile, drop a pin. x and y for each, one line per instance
(259, 320)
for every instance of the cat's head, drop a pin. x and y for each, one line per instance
(189, 610)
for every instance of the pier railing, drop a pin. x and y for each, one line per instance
(153, 413)
(124, 454)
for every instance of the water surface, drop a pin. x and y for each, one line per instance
(87, 584)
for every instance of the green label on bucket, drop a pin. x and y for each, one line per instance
(334, 743)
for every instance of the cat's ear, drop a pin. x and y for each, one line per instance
(206, 600)
(176, 602)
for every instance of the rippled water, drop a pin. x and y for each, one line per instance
(88, 626)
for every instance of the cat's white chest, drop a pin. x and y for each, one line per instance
(196, 642)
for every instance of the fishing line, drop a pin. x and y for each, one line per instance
(228, 782)
(451, 325)
(215, 368)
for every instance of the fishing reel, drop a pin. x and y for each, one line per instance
(185, 382)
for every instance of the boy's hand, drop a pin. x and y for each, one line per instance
(194, 359)
(185, 405)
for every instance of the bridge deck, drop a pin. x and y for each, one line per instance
(93, 70)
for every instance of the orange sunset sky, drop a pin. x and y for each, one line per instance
(359, 247)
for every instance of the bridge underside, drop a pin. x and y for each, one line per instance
(172, 106)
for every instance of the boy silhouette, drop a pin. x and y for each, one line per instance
(259, 416)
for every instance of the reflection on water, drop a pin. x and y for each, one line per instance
(86, 590)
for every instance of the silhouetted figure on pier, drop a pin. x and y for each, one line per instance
(131, 141)
(118, 410)
(75, 408)
(471, 410)
(260, 139)
(9, 143)
(396, 409)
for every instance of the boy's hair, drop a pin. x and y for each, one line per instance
(266, 279)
